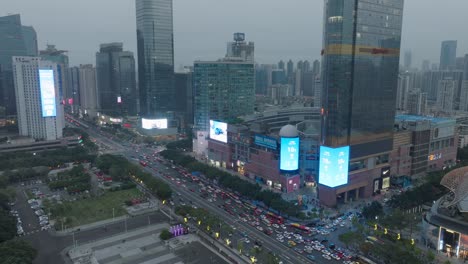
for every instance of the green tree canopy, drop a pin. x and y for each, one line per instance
(16, 252)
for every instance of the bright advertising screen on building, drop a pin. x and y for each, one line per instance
(334, 165)
(289, 154)
(218, 131)
(47, 86)
(266, 142)
(153, 123)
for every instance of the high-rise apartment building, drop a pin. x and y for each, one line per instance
(416, 102)
(402, 91)
(116, 85)
(361, 50)
(407, 60)
(11, 44)
(155, 43)
(239, 48)
(448, 54)
(426, 65)
(281, 65)
(40, 112)
(447, 94)
(87, 90)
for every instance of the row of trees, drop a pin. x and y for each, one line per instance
(75, 180)
(252, 191)
(121, 169)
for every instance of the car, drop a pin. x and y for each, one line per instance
(326, 257)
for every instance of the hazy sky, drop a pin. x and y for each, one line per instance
(281, 29)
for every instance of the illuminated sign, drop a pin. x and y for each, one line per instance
(334, 165)
(434, 156)
(119, 99)
(115, 120)
(70, 101)
(266, 142)
(154, 123)
(385, 183)
(47, 86)
(289, 154)
(218, 131)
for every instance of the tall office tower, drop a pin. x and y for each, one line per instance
(448, 54)
(361, 50)
(11, 44)
(402, 91)
(317, 92)
(426, 66)
(446, 94)
(261, 79)
(416, 102)
(72, 94)
(224, 90)
(40, 112)
(239, 48)
(306, 66)
(30, 40)
(407, 60)
(155, 43)
(307, 83)
(316, 67)
(464, 96)
(184, 98)
(87, 90)
(281, 65)
(115, 73)
(289, 68)
(60, 57)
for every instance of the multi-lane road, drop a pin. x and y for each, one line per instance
(287, 254)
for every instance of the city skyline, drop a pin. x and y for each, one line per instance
(200, 35)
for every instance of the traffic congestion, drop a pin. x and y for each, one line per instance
(310, 241)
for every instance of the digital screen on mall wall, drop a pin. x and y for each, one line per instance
(47, 87)
(154, 123)
(334, 166)
(289, 154)
(218, 131)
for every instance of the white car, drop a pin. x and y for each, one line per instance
(326, 257)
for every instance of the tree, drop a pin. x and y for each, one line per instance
(350, 238)
(430, 256)
(7, 226)
(240, 245)
(372, 210)
(16, 252)
(165, 235)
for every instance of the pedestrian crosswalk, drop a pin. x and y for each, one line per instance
(32, 232)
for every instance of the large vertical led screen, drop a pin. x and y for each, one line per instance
(47, 86)
(289, 154)
(334, 165)
(218, 131)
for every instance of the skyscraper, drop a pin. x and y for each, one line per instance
(407, 60)
(30, 40)
(281, 65)
(11, 44)
(87, 90)
(361, 49)
(290, 68)
(40, 112)
(72, 94)
(61, 58)
(155, 43)
(426, 65)
(447, 94)
(115, 73)
(448, 54)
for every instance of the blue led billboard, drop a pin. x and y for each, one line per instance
(218, 131)
(266, 142)
(47, 86)
(289, 154)
(334, 165)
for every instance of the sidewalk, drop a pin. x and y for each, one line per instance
(90, 226)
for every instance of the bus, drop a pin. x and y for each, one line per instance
(300, 227)
(275, 218)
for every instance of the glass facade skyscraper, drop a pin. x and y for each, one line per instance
(155, 43)
(448, 55)
(115, 75)
(11, 44)
(223, 90)
(360, 71)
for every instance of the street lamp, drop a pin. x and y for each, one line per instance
(253, 259)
